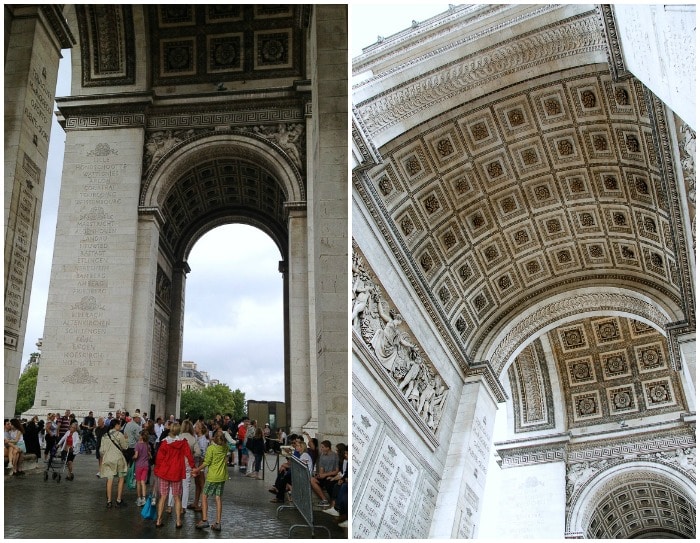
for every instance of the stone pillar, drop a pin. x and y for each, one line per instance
(138, 393)
(687, 346)
(299, 388)
(329, 205)
(90, 310)
(34, 36)
(284, 270)
(461, 491)
(177, 322)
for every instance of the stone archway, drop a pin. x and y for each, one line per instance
(633, 500)
(201, 183)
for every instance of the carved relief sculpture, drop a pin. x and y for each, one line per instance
(380, 328)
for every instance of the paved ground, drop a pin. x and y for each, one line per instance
(35, 508)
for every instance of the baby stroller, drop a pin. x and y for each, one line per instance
(56, 465)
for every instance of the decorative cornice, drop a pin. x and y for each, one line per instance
(606, 19)
(58, 24)
(370, 157)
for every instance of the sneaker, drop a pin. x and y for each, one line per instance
(202, 524)
(331, 511)
(216, 526)
(343, 524)
(323, 503)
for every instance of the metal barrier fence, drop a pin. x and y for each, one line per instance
(302, 496)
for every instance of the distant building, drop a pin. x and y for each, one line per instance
(193, 379)
(273, 413)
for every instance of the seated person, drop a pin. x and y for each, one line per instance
(328, 467)
(14, 444)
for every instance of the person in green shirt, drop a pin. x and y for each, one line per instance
(217, 475)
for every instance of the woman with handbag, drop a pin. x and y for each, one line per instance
(113, 461)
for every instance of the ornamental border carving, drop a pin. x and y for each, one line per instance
(609, 29)
(581, 34)
(106, 121)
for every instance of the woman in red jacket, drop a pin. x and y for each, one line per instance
(170, 470)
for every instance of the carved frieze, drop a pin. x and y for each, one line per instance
(381, 328)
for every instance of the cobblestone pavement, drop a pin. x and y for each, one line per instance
(75, 509)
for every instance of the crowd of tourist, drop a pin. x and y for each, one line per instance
(165, 456)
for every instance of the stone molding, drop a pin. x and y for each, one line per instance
(609, 29)
(58, 24)
(574, 36)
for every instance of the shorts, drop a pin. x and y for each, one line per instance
(213, 489)
(142, 473)
(165, 486)
(22, 446)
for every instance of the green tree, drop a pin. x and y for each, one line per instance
(212, 400)
(26, 389)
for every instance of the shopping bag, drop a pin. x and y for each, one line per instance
(149, 511)
(131, 477)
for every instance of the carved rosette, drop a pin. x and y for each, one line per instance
(381, 329)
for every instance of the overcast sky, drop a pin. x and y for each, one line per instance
(233, 308)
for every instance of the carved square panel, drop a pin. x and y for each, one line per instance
(586, 406)
(564, 258)
(608, 183)
(598, 143)
(654, 262)
(413, 164)
(273, 49)
(565, 148)
(626, 254)
(521, 237)
(225, 53)
(573, 338)
(223, 13)
(541, 192)
(529, 157)
(445, 147)
(630, 143)
(174, 15)
(658, 393)
(494, 169)
(622, 400)
(432, 204)
(639, 328)
(508, 206)
(482, 303)
(410, 226)
(505, 284)
(595, 253)
(551, 106)
(620, 98)
(581, 371)
(177, 57)
(617, 219)
(493, 252)
(479, 222)
(534, 270)
(467, 271)
(607, 331)
(615, 364)
(515, 118)
(428, 261)
(464, 185)
(641, 188)
(575, 186)
(463, 324)
(650, 357)
(553, 226)
(272, 11)
(479, 131)
(447, 294)
(451, 240)
(648, 226)
(585, 220)
(586, 99)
